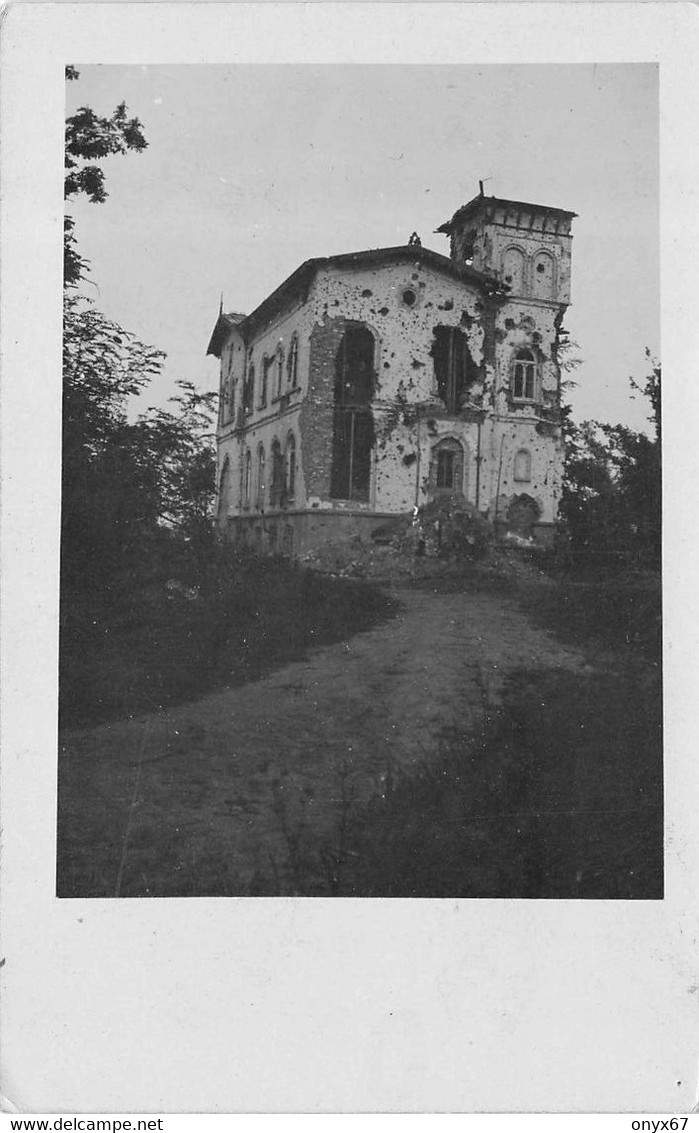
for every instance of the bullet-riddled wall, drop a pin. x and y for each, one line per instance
(281, 376)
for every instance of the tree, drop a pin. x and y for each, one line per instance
(125, 483)
(109, 484)
(180, 447)
(611, 498)
(90, 138)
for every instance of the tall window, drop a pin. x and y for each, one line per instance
(263, 381)
(524, 376)
(249, 389)
(261, 477)
(445, 469)
(246, 478)
(227, 397)
(276, 494)
(290, 476)
(292, 362)
(353, 427)
(230, 408)
(453, 366)
(280, 370)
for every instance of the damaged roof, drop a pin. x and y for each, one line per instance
(298, 283)
(224, 324)
(482, 202)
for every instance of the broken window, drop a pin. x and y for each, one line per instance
(292, 362)
(263, 381)
(447, 467)
(524, 376)
(523, 465)
(290, 466)
(353, 427)
(454, 368)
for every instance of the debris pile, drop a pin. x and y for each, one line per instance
(440, 538)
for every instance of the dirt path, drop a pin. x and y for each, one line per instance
(209, 795)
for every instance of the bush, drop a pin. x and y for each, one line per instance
(451, 528)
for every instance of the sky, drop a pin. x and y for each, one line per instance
(252, 169)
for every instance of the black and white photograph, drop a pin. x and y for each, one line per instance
(360, 543)
(348, 608)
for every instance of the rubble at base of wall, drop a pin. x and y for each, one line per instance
(442, 538)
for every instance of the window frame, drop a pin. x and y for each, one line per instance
(352, 462)
(279, 367)
(457, 451)
(249, 390)
(263, 382)
(530, 366)
(247, 477)
(290, 467)
(261, 463)
(292, 362)
(446, 469)
(276, 484)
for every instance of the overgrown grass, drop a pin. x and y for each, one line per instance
(558, 794)
(602, 609)
(138, 646)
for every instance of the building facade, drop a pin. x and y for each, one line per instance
(373, 382)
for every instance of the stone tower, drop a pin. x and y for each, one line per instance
(525, 246)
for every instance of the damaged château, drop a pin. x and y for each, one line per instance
(371, 383)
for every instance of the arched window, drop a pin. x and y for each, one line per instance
(447, 467)
(246, 478)
(249, 390)
(292, 362)
(276, 494)
(290, 471)
(524, 376)
(353, 426)
(227, 386)
(230, 408)
(543, 276)
(523, 465)
(261, 477)
(513, 270)
(263, 381)
(280, 370)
